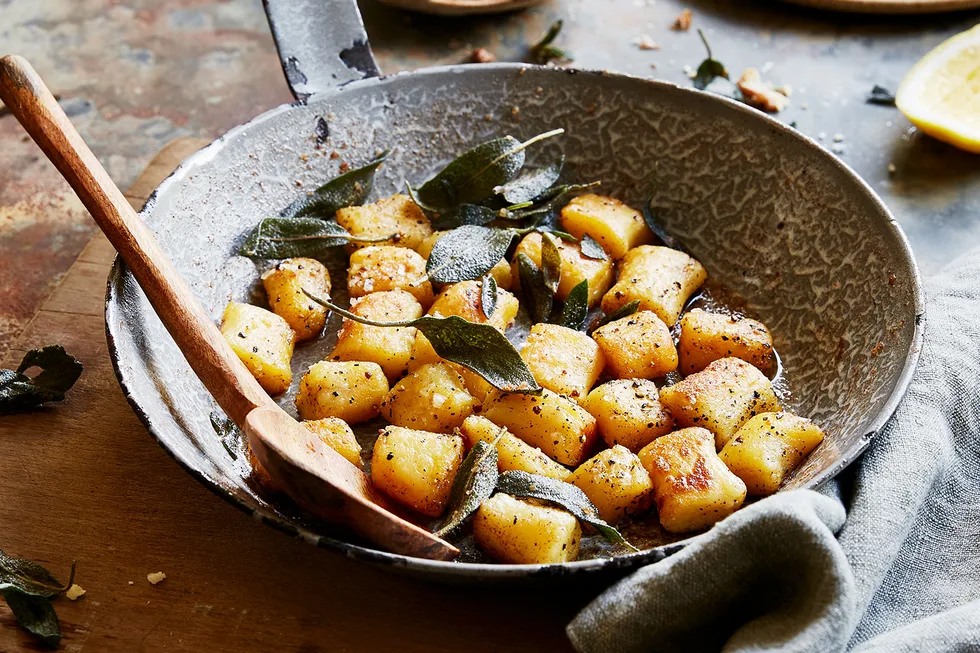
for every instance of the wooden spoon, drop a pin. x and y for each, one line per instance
(461, 7)
(318, 478)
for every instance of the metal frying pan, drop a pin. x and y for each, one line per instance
(806, 244)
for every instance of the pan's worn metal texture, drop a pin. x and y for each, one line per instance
(804, 241)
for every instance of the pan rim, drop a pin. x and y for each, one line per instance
(489, 570)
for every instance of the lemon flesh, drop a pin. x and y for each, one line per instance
(941, 94)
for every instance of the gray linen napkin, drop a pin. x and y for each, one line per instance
(903, 573)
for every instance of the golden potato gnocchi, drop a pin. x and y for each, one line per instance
(351, 391)
(263, 341)
(336, 434)
(432, 398)
(628, 413)
(638, 346)
(416, 468)
(284, 284)
(706, 337)
(721, 398)
(394, 218)
(512, 453)
(768, 447)
(381, 268)
(660, 278)
(563, 360)
(691, 485)
(521, 532)
(575, 267)
(615, 482)
(614, 225)
(389, 347)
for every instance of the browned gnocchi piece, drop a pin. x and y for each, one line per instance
(352, 391)
(432, 398)
(389, 347)
(638, 346)
(284, 284)
(721, 398)
(615, 482)
(520, 532)
(575, 267)
(264, 343)
(396, 218)
(706, 337)
(381, 268)
(691, 485)
(563, 360)
(628, 413)
(512, 453)
(614, 225)
(660, 278)
(416, 468)
(768, 447)
(336, 434)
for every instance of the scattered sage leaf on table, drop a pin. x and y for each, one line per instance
(36, 615)
(28, 577)
(576, 309)
(474, 483)
(550, 262)
(712, 76)
(59, 371)
(543, 51)
(488, 296)
(477, 347)
(592, 249)
(471, 177)
(466, 253)
(882, 96)
(540, 300)
(290, 237)
(522, 484)
(531, 183)
(348, 189)
(621, 312)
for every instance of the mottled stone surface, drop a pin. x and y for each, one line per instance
(134, 74)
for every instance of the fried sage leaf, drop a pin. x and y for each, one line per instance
(621, 312)
(471, 178)
(522, 484)
(467, 253)
(474, 483)
(477, 347)
(227, 432)
(550, 262)
(488, 296)
(592, 249)
(712, 76)
(576, 309)
(59, 371)
(540, 300)
(36, 615)
(28, 577)
(290, 237)
(881, 95)
(467, 214)
(543, 51)
(531, 184)
(655, 227)
(349, 189)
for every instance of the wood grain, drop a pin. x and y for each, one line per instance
(83, 480)
(318, 478)
(891, 6)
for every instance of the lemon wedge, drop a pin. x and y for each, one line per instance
(941, 94)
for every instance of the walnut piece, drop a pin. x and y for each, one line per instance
(760, 94)
(683, 22)
(482, 55)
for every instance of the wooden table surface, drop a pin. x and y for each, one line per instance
(84, 480)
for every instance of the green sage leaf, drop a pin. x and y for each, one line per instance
(531, 184)
(28, 577)
(539, 298)
(712, 76)
(564, 235)
(471, 178)
(348, 189)
(655, 227)
(488, 296)
(477, 347)
(592, 249)
(291, 237)
(543, 51)
(474, 483)
(466, 214)
(576, 309)
(623, 311)
(36, 615)
(550, 262)
(546, 205)
(565, 495)
(227, 433)
(59, 372)
(467, 253)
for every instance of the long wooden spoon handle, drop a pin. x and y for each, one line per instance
(224, 375)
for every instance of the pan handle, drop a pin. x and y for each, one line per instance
(322, 43)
